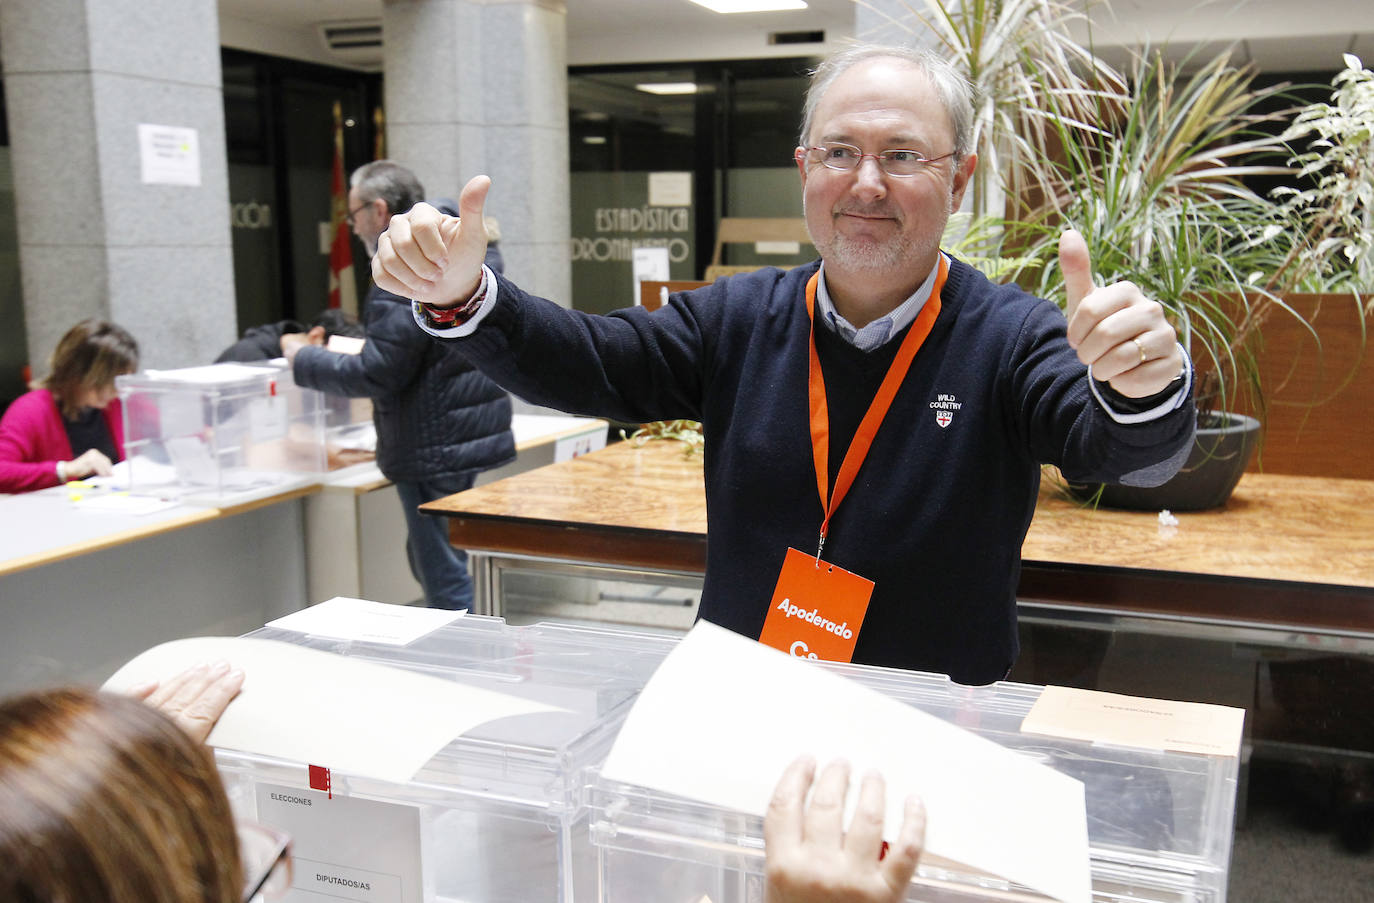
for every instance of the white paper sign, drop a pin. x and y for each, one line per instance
(168, 154)
(724, 715)
(346, 847)
(670, 189)
(369, 622)
(648, 265)
(268, 418)
(570, 447)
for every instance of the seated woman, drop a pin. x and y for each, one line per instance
(105, 798)
(73, 408)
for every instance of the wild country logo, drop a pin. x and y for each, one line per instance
(945, 407)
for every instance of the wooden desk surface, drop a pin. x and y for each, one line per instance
(1296, 550)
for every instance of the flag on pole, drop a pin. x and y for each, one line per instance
(343, 291)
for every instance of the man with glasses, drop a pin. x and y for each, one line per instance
(883, 412)
(439, 421)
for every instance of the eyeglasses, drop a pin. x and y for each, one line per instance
(899, 162)
(266, 857)
(348, 217)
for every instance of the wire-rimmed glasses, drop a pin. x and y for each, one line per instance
(900, 162)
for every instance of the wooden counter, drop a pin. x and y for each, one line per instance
(1286, 552)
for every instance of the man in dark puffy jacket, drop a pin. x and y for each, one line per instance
(263, 343)
(439, 421)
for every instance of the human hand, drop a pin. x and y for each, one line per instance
(195, 698)
(1116, 330)
(291, 343)
(91, 461)
(435, 258)
(811, 859)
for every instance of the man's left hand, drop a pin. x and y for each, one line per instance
(1116, 330)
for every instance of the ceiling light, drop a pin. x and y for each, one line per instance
(594, 139)
(750, 6)
(667, 87)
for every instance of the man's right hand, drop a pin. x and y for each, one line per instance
(434, 258)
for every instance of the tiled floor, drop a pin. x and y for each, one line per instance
(1288, 850)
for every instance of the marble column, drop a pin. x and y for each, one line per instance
(481, 86)
(81, 76)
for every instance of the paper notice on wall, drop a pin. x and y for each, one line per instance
(168, 154)
(670, 189)
(346, 847)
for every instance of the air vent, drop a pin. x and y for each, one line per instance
(797, 37)
(356, 42)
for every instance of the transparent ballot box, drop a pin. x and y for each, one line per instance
(1159, 823)
(499, 815)
(220, 430)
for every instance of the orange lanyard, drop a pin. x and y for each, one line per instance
(877, 410)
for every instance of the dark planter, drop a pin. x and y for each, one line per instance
(1214, 467)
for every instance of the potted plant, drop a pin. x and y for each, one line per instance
(1157, 186)
(1152, 167)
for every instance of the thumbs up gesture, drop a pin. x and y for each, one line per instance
(1116, 330)
(435, 258)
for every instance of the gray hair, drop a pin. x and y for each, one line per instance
(953, 90)
(390, 181)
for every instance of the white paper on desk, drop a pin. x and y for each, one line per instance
(323, 709)
(723, 717)
(369, 622)
(122, 503)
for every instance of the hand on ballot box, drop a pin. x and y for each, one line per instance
(810, 858)
(195, 698)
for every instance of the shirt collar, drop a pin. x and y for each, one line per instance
(877, 333)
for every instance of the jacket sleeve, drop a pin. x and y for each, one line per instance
(392, 357)
(631, 365)
(24, 464)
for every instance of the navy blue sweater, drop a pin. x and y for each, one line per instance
(936, 515)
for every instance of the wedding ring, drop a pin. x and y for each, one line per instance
(1141, 349)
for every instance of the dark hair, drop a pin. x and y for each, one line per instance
(390, 181)
(104, 798)
(339, 322)
(89, 356)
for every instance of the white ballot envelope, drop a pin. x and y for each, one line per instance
(723, 717)
(330, 710)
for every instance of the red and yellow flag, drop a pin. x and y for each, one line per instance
(343, 291)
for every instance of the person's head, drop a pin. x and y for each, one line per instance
(882, 220)
(333, 321)
(378, 191)
(105, 798)
(84, 365)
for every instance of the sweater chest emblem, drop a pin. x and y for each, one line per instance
(945, 407)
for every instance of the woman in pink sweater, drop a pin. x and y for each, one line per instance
(75, 407)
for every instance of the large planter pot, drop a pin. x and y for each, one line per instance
(1214, 467)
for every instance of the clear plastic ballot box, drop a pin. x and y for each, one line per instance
(1159, 823)
(497, 816)
(220, 430)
